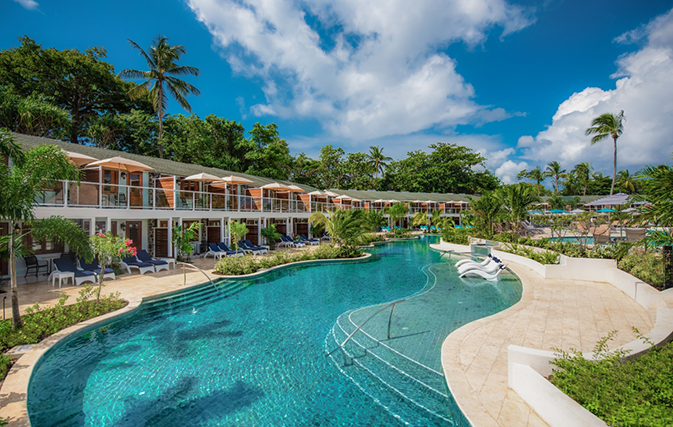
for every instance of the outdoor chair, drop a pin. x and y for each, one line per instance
(159, 264)
(250, 248)
(132, 262)
(32, 263)
(108, 273)
(487, 276)
(229, 252)
(65, 265)
(635, 234)
(214, 251)
(291, 242)
(304, 239)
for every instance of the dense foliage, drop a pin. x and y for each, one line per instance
(39, 323)
(237, 266)
(638, 392)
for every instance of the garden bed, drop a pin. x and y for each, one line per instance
(240, 266)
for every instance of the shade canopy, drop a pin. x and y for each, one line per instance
(203, 177)
(557, 211)
(606, 210)
(344, 197)
(296, 189)
(577, 211)
(233, 180)
(121, 164)
(614, 200)
(316, 193)
(380, 201)
(535, 212)
(331, 194)
(276, 186)
(79, 159)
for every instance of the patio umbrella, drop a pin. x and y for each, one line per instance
(535, 212)
(296, 189)
(344, 197)
(629, 210)
(121, 164)
(557, 211)
(203, 177)
(276, 187)
(233, 180)
(331, 193)
(577, 211)
(380, 201)
(79, 159)
(606, 210)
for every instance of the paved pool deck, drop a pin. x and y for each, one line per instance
(551, 313)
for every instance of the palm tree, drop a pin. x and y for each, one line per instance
(608, 125)
(538, 177)
(488, 208)
(345, 227)
(398, 211)
(420, 218)
(516, 199)
(554, 171)
(582, 170)
(627, 182)
(377, 160)
(162, 60)
(20, 186)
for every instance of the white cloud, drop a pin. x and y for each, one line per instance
(508, 171)
(28, 4)
(644, 90)
(379, 74)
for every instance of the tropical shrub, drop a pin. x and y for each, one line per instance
(182, 239)
(369, 238)
(108, 248)
(237, 266)
(458, 236)
(648, 267)
(638, 392)
(237, 230)
(270, 234)
(39, 323)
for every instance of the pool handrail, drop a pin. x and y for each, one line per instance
(347, 359)
(184, 273)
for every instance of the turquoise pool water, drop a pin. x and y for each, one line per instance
(589, 240)
(262, 352)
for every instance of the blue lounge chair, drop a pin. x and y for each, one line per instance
(228, 251)
(291, 242)
(131, 261)
(252, 245)
(214, 251)
(251, 248)
(65, 265)
(308, 241)
(108, 273)
(158, 264)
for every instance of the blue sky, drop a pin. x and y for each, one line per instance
(518, 81)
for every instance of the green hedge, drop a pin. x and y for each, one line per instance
(39, 323)
(238, 266)
(633, 393)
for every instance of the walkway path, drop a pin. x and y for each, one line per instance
(551, 314)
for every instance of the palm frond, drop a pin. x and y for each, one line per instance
(150, 62)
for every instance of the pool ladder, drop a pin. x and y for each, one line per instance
(349, 360)
(184, 273)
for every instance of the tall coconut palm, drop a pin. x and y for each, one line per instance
(536, 175)
(554, 171)
(608, 125)
(516, 199)
(583, 171)
(377, 159)
(162, 60)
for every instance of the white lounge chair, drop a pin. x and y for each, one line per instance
(487, 276)
(470, 261)
(491, 267)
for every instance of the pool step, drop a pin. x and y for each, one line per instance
(391, 374)
(397, 404)
(193, 298)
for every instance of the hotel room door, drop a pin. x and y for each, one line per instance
(134, 231)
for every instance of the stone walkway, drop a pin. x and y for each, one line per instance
(566, 314)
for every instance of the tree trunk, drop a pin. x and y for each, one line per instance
(614, 167)
(160, 114)
(16, 314)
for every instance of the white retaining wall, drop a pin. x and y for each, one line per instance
(528, 367)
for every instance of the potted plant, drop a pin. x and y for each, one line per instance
(270, 235)
(182, 240)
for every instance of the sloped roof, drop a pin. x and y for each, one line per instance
(404, 196)
(163, 166)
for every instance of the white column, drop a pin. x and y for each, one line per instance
(170, 238)
(108, 224)
(92, 227)
(222, 233)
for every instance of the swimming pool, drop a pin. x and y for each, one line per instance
(589, 240)
(261, 352)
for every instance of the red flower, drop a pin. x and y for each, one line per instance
(100, 234)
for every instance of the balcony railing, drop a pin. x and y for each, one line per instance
(68, 194)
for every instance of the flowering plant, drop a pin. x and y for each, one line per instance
(107, 248)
